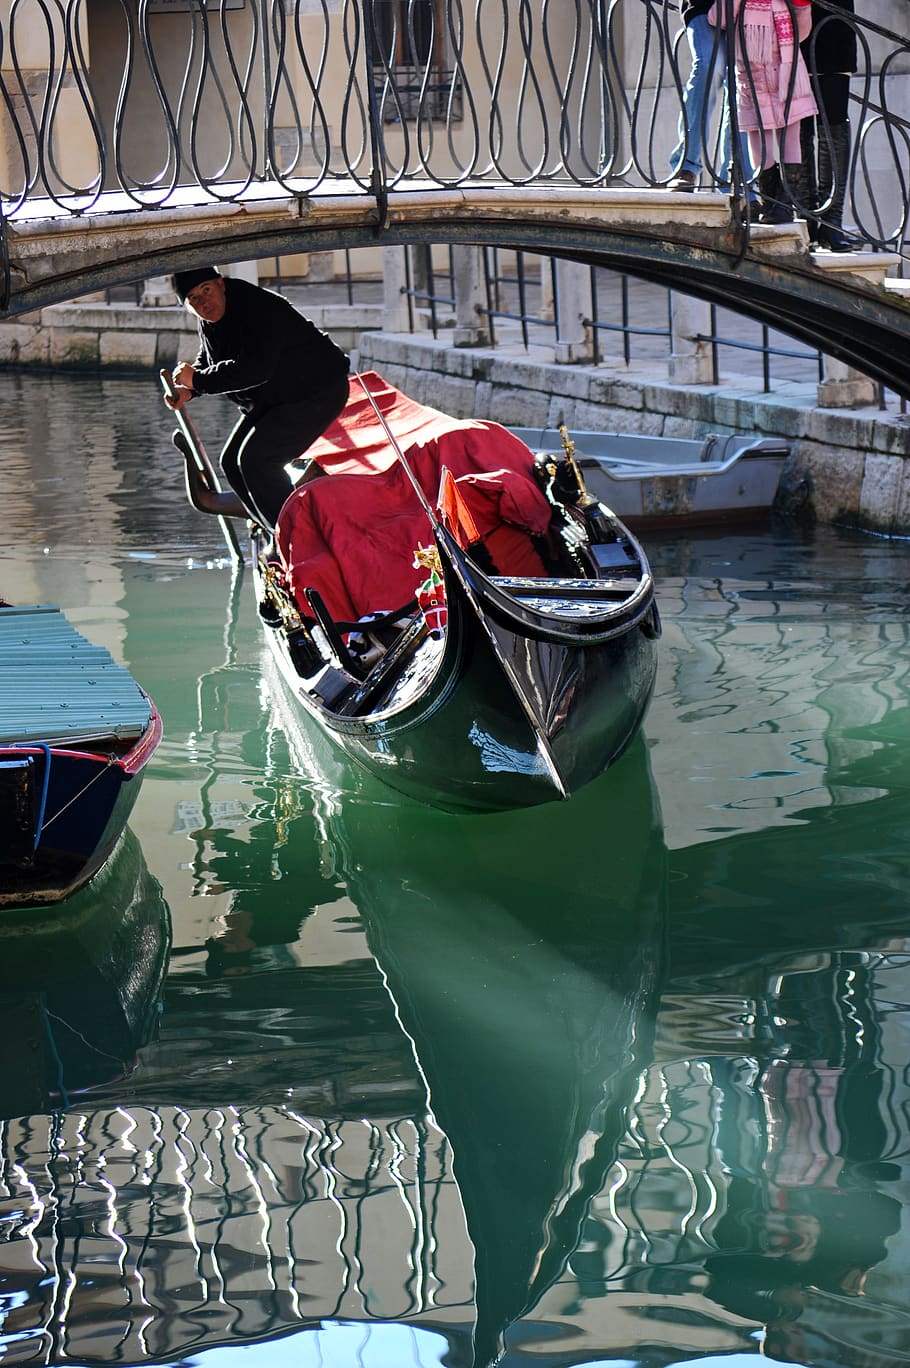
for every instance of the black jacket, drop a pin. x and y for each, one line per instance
(263, 352)
(831, 47)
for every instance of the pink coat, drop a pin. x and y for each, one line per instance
(768, 59)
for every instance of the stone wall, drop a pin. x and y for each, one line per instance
(850, 468)
(136, 337)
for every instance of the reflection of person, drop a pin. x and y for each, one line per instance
(830, 54)
(806, 1215)
(288, 379)
(707, 80)
(773, 95)
(244, 943)
(266, 914)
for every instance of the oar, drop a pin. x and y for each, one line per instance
(202, 462)
(444, 537)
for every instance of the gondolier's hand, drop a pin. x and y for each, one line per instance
(179, 400)
(183, 383)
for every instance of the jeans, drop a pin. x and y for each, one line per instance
(707, 80)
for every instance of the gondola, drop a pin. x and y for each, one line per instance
(76, 732)
(465, 621)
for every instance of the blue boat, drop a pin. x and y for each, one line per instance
(76, 732)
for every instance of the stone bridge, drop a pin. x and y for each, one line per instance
(139, 139)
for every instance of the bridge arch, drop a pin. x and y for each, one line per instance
(837, 305)
(139, 139)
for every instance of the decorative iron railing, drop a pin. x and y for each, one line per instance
(166, 102)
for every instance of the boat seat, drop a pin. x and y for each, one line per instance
(345, 657)
(387, 671)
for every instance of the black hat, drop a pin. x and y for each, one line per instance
(184, 281)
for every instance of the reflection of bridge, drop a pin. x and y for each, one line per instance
(203, 129)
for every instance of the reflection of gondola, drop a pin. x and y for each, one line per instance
(528, 1021)
(76, 732)
(79, 998)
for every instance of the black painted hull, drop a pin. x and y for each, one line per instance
(520, 708)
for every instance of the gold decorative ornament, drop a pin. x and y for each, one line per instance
(427, 558)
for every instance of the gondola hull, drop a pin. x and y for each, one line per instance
(507, 718)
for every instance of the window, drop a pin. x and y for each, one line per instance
(411, 41)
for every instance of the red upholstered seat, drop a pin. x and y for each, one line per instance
(353, 536)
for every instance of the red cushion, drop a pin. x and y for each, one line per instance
(353, 536)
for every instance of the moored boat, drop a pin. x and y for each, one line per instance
(76, 732)
(466, 622)
(661, 482)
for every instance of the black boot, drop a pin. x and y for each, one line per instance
(810, 183)
(775, 207)
(800, 189)
(833, 169)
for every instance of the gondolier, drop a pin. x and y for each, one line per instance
(288, 378)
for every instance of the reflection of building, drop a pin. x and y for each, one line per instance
(272, 1166)
(153, 1229)
(783, 702)
(754, 1183)
(748, 1197)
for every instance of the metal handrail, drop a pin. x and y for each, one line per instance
(519, 306)
(445, 94)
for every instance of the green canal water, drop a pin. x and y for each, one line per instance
(316, 1077)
